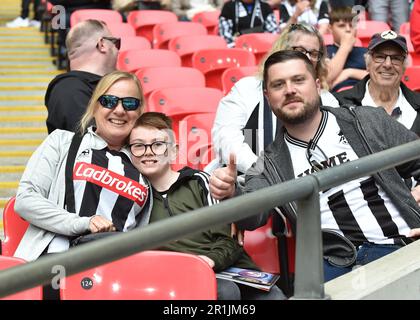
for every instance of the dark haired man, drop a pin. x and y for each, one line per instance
(367, 215)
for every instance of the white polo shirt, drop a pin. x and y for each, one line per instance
(407, 114)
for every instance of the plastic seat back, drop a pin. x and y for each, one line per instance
(164, 32)
(366, 29)
(134, 42)
(231, 75)
(405, 28)
(179, 102)
(30, 294)
(148, 275)
(194, 140)
(210, 19)
(144, 21)
(121, 29)
(411, 77)
(414, 58)
(274, 254)
(185, 46)
(262, 246)
(212, 62)
(132, 60)
(14, 228)
(105, 15)
(257, 43)
(169, 77)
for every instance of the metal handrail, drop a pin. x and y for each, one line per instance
(309, 275)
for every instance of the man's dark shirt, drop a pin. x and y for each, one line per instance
(67, 97)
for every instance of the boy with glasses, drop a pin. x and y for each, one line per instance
(153, 149)
(386, 61)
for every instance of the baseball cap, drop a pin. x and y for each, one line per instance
(387, 36)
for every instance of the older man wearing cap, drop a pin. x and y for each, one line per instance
(386, 61)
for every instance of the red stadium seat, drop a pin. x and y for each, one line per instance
(121, 29)
(14, 228)
(179, 102)
(411, 77)
(257, 43)
(261, 245)
(405, 28)
(272, 254)
(144, 21)
(194, 140)
(232, 75)
(366, 29)
(169, 77)
(108, 16)
(414, 57)
(164, 32)
(132, 60)
(148, 275)
(30, 294)
(210, 19)
(199, 156)
(136, 42)
(212, 62)
(185, 46)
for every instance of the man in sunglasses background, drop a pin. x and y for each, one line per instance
(363, 219)
(386, 62)
(92, 53)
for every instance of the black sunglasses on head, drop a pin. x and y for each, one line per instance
(115, 41)
(110, 102)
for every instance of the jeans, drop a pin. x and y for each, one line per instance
(366, 253)
(399, 9)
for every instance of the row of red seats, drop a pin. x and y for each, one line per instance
(146, 275)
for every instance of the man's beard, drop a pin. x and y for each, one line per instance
(307, 112)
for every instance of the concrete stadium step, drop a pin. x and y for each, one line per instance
(26, 69)
(37, 133)
(14, 161)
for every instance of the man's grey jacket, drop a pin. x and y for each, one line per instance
(368, 130)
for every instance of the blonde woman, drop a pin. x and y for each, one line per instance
(109, 192)
(244, 123)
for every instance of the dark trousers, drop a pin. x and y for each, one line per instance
(25, 9)
(366, 253)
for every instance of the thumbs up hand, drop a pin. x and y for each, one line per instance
(222, 181)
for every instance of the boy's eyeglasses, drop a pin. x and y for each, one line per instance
(110, 102)
(115, 41)
(312, 55)
(158, 148)
(396, 59)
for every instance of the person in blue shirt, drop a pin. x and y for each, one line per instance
(349, 64)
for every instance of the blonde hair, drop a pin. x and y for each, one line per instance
(103, 86)
(284, 41)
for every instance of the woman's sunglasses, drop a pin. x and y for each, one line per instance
(110, 102)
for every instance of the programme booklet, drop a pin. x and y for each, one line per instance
(254, 278)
